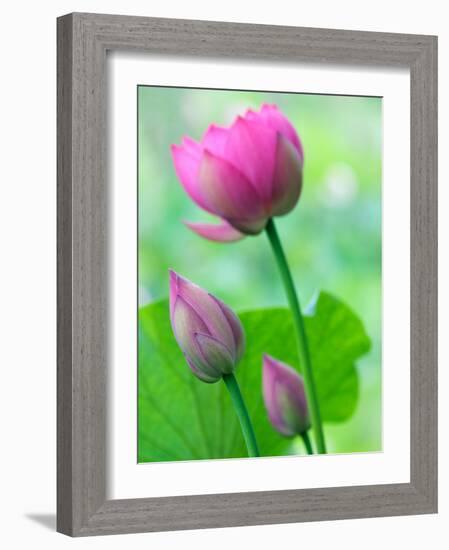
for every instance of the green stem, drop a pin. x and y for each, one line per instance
(301, 338)
(242, 413)
(307, 443)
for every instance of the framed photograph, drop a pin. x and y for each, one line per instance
(247, 274)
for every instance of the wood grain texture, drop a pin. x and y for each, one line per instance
(64, 277)
(83, 40)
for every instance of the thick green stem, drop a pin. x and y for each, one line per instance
(242, 414)
(307, 443)
(301, 338)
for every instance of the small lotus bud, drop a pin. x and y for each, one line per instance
(285, 397)
(207, 331)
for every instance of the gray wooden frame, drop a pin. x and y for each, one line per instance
(83, 40)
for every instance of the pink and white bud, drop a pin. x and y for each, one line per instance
(208, 332)
(285, 397)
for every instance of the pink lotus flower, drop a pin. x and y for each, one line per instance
(285, 397)
(244, 174)
(208, 332)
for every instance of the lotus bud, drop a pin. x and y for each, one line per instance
(208, 332)
(244, 174)
(285, 397)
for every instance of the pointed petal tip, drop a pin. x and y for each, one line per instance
(250, 113)
(239, 119)
(213, 127)
(176, 278)
(188, 146)
(187, 140)
(174, 148)
(269, 362)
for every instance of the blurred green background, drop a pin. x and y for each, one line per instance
(332, 238)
